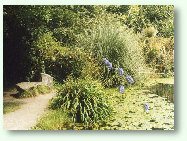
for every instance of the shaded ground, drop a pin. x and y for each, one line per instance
(31, 110)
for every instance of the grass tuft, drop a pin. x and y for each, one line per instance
(10, 107)
(53, 120)
(35, 91)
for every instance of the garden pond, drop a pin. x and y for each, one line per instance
(130, 111)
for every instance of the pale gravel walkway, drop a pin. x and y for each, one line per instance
(26, 117)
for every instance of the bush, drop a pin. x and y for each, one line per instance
(109, 39)
(48, 56)
(159, 54)
(140, 17)
(85, 100)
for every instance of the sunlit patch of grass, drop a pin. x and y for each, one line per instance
(34, 91)
(10, 107)
(53, 120)
(62, 120)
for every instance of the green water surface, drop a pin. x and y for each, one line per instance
(130, 111)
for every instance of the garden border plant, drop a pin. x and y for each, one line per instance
(85, 100)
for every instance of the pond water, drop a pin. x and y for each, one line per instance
(163, 90)
(130, 110)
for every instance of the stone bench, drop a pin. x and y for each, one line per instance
(45, 80)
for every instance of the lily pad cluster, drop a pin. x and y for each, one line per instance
(131, 115)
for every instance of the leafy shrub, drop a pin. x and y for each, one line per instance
(159, 54)
(161, 17)
(34, 91)
(85, 100)
(31, 21)
(140, 17)
(48, 56)
(109, 39)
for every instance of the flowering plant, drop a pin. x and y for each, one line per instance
(108, 64)
(121, 72)
(121, 88)
(130, 79)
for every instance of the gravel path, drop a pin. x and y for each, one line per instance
(26, 117)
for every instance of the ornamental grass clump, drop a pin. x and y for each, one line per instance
(84, 99)
(111, 40)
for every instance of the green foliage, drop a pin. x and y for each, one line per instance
(140, 17)
(23, 26)
(53, 120)
(35, 91)
(110, 78)
(85, 100)
(10, 107)
(159, 54)
(161, 17)
(130, 111)
(118, 9)
(67, 23)
(47, 55)
(109, 39)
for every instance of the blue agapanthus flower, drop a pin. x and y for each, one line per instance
(130, 79)
(108, 64)
(121, 72)
(121, 88)
(105, 60)
(146, 107)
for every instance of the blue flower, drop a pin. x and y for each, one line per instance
(108, 64)
(130, 79)
(121, 72)
(146, 107)
(121, 88)
(104, 59)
